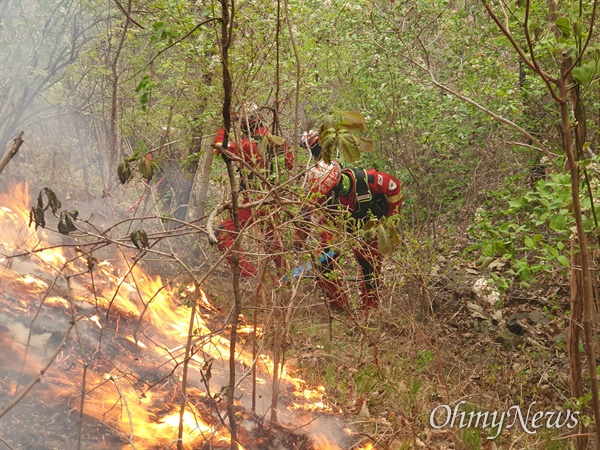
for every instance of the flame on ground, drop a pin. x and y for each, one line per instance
(153, 423)
(142, 416)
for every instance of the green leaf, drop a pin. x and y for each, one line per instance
(349, 148)
(53, 201)
(384, 242)
(328, 123)
(143, 83)
(577, 28)
(558, 222)
(369, 235)
(370, 224)
(65, 223)
(146, 168)
(585, 73)
(37, 215)
(351, 120)
(124, 172)
(394, 233)
(487, 249)
(139, 239)
(366, 145)
(262, 146)
(529, 243)
(514, 204)
(484, 261)
(328, 140)
(274, 140)
(563, 24)
(564, 261)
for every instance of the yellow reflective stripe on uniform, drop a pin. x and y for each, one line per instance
(393, 198)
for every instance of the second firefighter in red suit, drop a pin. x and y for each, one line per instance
(253, 130)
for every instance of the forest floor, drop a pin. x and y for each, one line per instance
(450, 346)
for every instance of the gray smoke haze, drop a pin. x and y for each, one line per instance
(40, 45)
(51, 91)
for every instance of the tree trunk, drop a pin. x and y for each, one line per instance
(199, 192)
(573, 341)
(589, 325)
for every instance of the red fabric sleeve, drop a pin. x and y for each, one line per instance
(289, 157)
(218, 140)
(389, 186)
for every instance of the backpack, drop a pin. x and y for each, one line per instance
(366, 202)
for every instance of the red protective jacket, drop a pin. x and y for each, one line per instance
(382, 186)
(249, 149)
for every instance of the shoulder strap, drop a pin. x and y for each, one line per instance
(362, 192)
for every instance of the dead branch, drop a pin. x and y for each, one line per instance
(209, 223)
(12, 152)
(7, 444)
(132, 434)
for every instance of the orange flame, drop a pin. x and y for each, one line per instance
(148, 421)
(127, 290)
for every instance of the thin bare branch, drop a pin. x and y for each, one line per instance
(539, 146)
(128, 15)
(12, 151)
(546, 78)
(39, 376)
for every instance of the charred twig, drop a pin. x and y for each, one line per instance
(7, 444)
(37, 313)
(81, 405)
(12, 152)
(260, 290)
(132, 435)
(83, 359)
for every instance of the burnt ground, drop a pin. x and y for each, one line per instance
(440, 340)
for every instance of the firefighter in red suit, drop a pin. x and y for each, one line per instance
(253, 130)
(364, 194)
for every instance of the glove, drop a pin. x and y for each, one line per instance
(324, 260)
(217, 150)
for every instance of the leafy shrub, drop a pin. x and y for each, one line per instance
(534, 232)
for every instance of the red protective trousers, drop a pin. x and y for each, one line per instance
(226, 237)
(369, 260)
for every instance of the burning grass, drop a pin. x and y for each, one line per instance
(96, 351)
